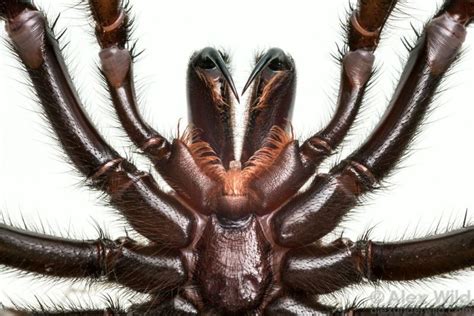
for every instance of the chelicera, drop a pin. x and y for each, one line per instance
(236, 235)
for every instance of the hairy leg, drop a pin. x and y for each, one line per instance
(112, 33)
(290, 306)
(142, 268)
(173, 306)
(297, 305)
(325, 269)
(209, 83)
(272, 99)
(364, 28)
(317, 211)
(90, 312)
(150, 211)
(406, 312)
(322, 269)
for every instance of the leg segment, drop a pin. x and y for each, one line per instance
(318, 211)
(293, 306)
(321, 270)
(290, 306)
(175, 306)
(150, 211)
(275, 84)
(97, 312)
(141, 268)
(364, 29)
(407, 312)
(112, 33)
(210, 108)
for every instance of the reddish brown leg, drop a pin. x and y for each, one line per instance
(407, 312)
(150, 211)
(289, 306)
(295, 305)
(275, 83)
(364, 28)
(142, 268)
(209, 89)
(318, 211)
(112, 22)
(210, 106)
(175, 306)
(267, 132)
(317, 269)
(91, 312)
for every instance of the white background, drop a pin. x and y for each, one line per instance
(434, 184)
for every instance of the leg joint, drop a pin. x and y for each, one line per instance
(109, 252)
(360, 37)
(364, 178)
(364, 256)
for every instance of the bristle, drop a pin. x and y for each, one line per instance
(216, 93)
(205, 157)
(263, 158)
(268, 90)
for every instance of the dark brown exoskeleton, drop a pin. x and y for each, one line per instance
(236, 236)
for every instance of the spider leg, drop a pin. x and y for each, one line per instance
(275, 85)
(112, 33)
(317, 211)
(150, 211)
(399, 311)
(288, 305)
(209, 88)
(295, 305)
(325, 269)
(142, 268)
(364, 28)
(174, 306)
(209, 100)
(97, 312)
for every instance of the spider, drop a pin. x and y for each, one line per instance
(236, 236)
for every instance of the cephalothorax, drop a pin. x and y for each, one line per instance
(236, 235)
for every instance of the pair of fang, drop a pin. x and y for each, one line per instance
(274, 60)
